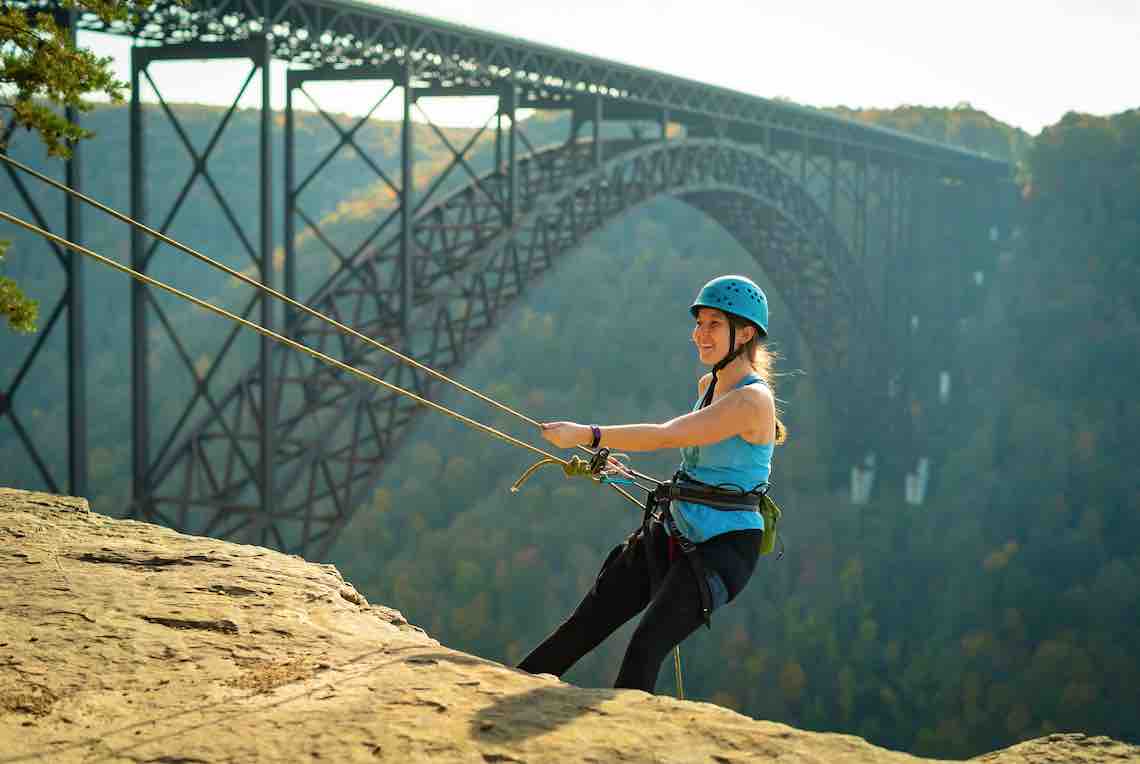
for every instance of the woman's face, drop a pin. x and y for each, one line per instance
(710, 335)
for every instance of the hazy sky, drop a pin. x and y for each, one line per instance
(1026, 62)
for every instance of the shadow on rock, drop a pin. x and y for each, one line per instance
(511, 718)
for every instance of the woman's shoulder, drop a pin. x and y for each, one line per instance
(759, 405)
(757, 391)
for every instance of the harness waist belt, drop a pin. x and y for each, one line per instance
(717, 498)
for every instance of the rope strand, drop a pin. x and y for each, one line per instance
(279, 338)
(267, 289)
(287, 299)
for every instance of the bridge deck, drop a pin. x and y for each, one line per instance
(343, 33)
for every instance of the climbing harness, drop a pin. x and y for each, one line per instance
(725, 498)
(729, 498)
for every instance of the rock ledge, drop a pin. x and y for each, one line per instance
(122, 641)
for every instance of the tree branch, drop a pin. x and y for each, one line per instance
(25, 31)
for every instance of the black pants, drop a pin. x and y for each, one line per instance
(626, 584)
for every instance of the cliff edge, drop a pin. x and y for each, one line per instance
(122, 641)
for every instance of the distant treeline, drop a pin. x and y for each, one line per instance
(962, 125)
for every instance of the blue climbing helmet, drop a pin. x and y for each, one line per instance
(737, 295)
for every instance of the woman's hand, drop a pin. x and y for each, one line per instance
(566, 434)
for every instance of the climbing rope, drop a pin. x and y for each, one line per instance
(677, 671)
(571, 467)
(307, 310)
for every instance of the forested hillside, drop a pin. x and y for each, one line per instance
(962, 125)
(1001, 609)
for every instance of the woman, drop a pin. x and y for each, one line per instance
(727, 440)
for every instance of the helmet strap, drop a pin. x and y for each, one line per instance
(733, 353)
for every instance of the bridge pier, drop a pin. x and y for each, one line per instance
(76, 336)
(256, 509)
(508, 107)
(599, 108)
(407, 202)
(509, 103)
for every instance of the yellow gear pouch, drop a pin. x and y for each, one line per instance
(771, 514)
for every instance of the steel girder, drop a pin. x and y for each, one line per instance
(334, 434)
(342, 33)
(254, 447)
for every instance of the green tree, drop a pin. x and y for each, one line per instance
(20, 312)
(42, 74)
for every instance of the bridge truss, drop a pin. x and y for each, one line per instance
(281, 452)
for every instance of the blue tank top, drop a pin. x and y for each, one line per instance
(732, 461)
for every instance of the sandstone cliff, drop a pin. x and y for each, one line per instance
(122, 641)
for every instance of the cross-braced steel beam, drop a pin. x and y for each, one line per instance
(251, 436)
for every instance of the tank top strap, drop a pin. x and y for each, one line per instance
(750, 379)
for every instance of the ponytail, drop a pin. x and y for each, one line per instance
(761, 359)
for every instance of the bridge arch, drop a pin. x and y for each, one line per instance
(335, 434)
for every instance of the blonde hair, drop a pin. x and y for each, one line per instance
(762, 361)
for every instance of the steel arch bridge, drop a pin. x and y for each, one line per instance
(471, 267)
(835, 213)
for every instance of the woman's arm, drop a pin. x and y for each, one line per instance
(740, 411)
